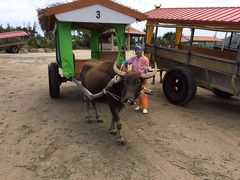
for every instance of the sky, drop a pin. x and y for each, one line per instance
(23, 12)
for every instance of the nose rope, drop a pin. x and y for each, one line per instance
(116, 97)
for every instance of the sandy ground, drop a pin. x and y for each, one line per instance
(41, 138)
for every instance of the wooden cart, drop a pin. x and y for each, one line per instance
(11, 41)
(95, 16)
(189, 66)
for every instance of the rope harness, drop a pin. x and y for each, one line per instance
(114, 96)
(91, 96)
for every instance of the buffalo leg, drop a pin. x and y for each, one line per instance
(112, 128)
(98, 117)
(116, 119)
(88, 116)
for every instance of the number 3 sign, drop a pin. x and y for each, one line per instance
(98, 14)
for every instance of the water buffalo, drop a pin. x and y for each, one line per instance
(95, 75)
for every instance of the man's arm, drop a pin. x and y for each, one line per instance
(146, 64)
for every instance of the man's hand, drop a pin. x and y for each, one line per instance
(124, 62)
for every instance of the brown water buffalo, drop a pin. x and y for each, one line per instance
(95, 75)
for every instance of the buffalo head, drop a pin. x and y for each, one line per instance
(132, 83)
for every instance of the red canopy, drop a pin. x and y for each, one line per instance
(6, 35)
(197, 15)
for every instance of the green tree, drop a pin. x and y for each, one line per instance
(1, 28)
(168, 40)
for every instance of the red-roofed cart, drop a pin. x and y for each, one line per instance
(11, 43)
(188, 65)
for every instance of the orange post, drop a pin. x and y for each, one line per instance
(178, 36)
(149, 35)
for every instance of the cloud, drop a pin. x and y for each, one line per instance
(17, 13)
(140, 5)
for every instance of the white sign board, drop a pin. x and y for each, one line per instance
(95, 14)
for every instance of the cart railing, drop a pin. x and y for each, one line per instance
(210, 72)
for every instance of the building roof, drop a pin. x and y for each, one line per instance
(128, 30)
(203, 38)
(205, 16)
(12, 34)
(132, 31)
(47, 16)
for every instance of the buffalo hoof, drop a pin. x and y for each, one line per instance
(99, 119)
(120, 141)
(113, 131)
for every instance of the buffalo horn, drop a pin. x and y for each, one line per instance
(150, 74)
(117, 71)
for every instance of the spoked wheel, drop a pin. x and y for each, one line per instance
(222, 94)
(54, 80)
(179, 86)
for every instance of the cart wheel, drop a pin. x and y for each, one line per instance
(8, 49)
(179, 86)
(222, 94)
(54, 80)
(15, 49)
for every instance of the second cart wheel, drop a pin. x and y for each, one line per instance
(15, 49)
(8, 49)
(54, 80)
(179, 85)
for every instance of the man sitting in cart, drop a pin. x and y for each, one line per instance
(140, 63)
